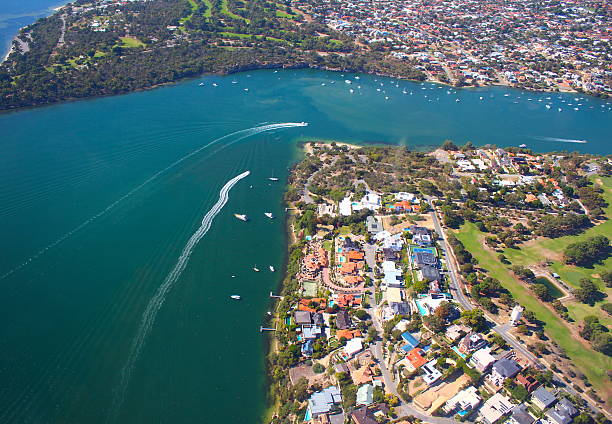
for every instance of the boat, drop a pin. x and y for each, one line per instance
(215, 85)
(269, 313)
(480, 97)
(201, 84)
(506, 95)
(241, 217)
(271, 268)
(547, 106)
(255, 268)
(234, 82)
(246, 89)
(348, 81)
(269, 215)
(457, 100)
(522, 146)
(235, 297)
(351, 90)
(273, 178)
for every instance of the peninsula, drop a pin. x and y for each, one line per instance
(104, 47)
(466, 284)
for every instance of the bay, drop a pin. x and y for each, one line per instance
(87, 236)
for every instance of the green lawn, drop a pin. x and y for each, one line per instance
(225, 10)
(592, 364)
(283, 14)
(131, 42)
(547, 249)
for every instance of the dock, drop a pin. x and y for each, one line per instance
(272, 295)
(262, 329)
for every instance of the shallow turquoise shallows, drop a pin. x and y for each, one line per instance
(99, 203)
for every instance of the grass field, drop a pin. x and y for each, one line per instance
(592, 364)
(131, 42)
(543, 249)
(225, 10)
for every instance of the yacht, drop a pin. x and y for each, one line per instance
(273, 178)
(255, 268)
(241, 217)
(348, 81)
(271, 268)
(269, 215)
(235, 297)
(522, 146)
(215, 85)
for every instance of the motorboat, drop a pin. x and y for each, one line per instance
(241, 217)
(215, 85)
(522, 146)
(255, 268)
(273, 179)
(235, 297)
(201, 84)
(269, 215)
(271, 268)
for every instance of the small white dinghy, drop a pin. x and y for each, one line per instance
(235, 297)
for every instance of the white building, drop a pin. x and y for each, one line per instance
(345, 206)
(466, 400)
(482, 359)
(496, 407)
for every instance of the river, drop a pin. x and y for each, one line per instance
(115, 302)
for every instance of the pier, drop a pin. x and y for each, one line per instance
(262, 329)
(272, 295)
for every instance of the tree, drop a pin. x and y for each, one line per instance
(474, 319)
(499, 341)
(606, 276)
(602, 342)
(435, 323)
(588, 252)
(541, 291)
(519, 392)
(361, 314)
(445, 311)
(449, 145)
(587, 292)
(419, 286)
(583, 418)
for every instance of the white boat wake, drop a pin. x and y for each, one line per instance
(562, 140)
(156, 302)
(241, 135)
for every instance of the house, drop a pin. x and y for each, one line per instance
(363, 416)
(425, 258)
(311, 332)
(554, 417)
(504, 368)
(495, 407)
(345, 206)
(365, 395)
(410, 340)
(542, 398)
(302, 318)
(430, 373)
(394, 242)
(373, 225)
(471, 342)
(325, 401)
(353, 346)
(395, 295)
(482, 359)
(466, 400)
(390, 255)
(564, 408)
(326, 209)
(528, 382)
(400, 308)
(430, 273)
(415, 359)
(520, 415)
(343, 320)
(421, 236)
(455, 331)
(347, 334)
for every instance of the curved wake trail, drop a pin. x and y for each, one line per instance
(156, 302)
(242, 134)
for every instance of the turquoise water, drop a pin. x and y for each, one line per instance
(88, 238)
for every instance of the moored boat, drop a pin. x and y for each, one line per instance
(241, 217)
(235, 297)
(255, 268)
(269, 215)
(271, 268)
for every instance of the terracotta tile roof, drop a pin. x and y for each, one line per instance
(415, 358)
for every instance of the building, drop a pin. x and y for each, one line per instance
(345, 206)
(421, 236)
(430, 373)
(482, 359)
(353, 347)
(410, 340)
(542, 398)
(425, 258)
(415, 359)
(325, 401)
(520, 415)
(430, 273)
(464, 401)
(564, 409)
(343, 320)
(504, 368)
(554, 417)
(363, 416)
(302, 318)
(365, 395)
(528, 382)
(471, 342)
(495, 407)
(515, 315)
(373, 225)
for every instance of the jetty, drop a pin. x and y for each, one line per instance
(272, 295)
(262, 329)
